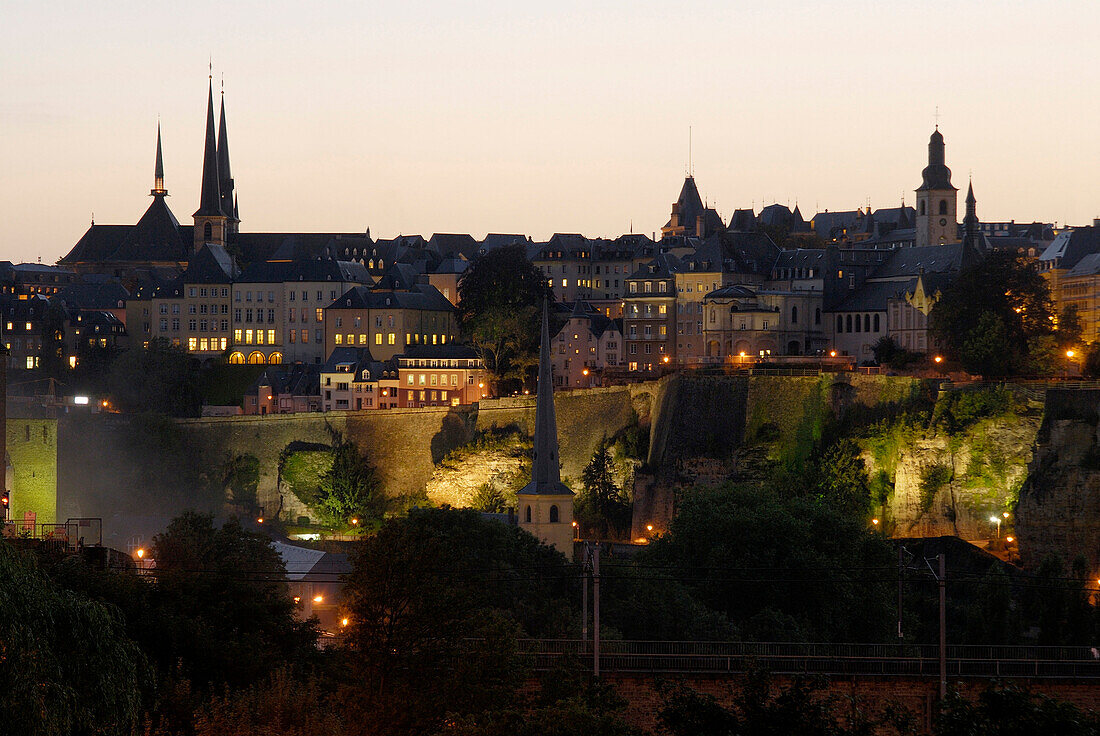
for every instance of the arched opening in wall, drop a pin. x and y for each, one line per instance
(207, 231)
(742, 346)
(713, 348)
(840, 323)
(794, 315)
(793, 348)
(922, 208)
(275, 358)
(817, 315)
(236, 359)
(877, 324)
(553, 514)
(866, 323)
(848, 323)
(527, 515)
(256, 358)
(943, 206)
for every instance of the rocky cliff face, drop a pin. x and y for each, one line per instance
(1059, 510)
(952, 484)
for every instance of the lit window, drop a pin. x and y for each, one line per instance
(248, 337)
(320, 315)
(236, 336)
(339, 339)
(192, 343)
(271, 337)
(378, 338)
(392, 339)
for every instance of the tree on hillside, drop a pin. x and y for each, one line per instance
(1014, 299)
(602, 509)
(436, 601)
(227, 614)
(160, 378)
(501, 296)
(350, 488)
(66, 664)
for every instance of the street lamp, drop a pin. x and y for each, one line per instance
(832, 353)
(996, 520)
(938, 359)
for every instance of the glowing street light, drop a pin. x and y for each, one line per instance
(343, 622)
(318, 598)
(354, 522)
(140, 553)
(649, 527)
(938, 359)
(259, 520)
(1070, 353)
(874, 522)
(996, 520)
(832, 353)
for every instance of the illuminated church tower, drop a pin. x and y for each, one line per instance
(546, 504)
(937, 203)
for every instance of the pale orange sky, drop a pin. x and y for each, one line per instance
(421, 117)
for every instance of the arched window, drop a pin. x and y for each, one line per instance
(848, 323)
(866, 323)
(553, 514)
(275, 358)
(876, 323)
(256, 358)
(794, 315)
(840, 323)
(207, 231)
(527, 515)
(817, 316)
(943, 206)
(236, 359)
(858, 325)
(922, 207)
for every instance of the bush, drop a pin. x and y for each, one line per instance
(932, 479)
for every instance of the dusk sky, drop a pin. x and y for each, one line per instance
(422, 117)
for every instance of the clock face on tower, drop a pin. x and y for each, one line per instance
(943, 221)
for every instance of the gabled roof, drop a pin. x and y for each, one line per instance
(450, 351)
(665, 265)
(399, 277)
(873, 296)
(347, 356)
(449, 244)
(295, 379)
(212, 264)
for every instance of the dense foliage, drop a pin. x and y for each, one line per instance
(603, 510)
(992, 316)
(501, 296)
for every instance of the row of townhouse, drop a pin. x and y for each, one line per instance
(352, 379)
(290, 312)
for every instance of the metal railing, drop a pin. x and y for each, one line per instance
(672, 657)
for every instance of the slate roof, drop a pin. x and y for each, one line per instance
(1071, 246)
(936, 175)
(734, 252)
(872, 296)
(929, 259)
(826, 224)
(665, 265)
(421, 296)
(598, 323)
(355, 357)
(295, 379)
(1088, 266)
(325, 269)
(399, 277)
(95, 295)
(449, 244)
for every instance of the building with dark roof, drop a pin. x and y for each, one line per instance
(690, 216)
(588, 343)
(285, 389)
(352, 380)
(441, 375)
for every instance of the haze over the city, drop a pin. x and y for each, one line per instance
(423, 117)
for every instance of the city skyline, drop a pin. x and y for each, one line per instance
(473, 125)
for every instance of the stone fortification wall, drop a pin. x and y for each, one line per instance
(136, 466)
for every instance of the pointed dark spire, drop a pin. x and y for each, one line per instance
(158, 189)
(936, 175)
(210, 199)
(970, 222)
(545, 473)
(225, 178)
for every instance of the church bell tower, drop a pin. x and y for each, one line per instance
(210, 219)
(937, 199)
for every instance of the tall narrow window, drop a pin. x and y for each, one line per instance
(207, 231)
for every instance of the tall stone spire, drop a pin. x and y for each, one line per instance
(545, 471)
(546, 504)
(158, 189)
(210, 200)
(225, 178)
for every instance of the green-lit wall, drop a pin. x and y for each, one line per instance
(32, 447)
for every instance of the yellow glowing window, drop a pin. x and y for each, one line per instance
(412, 380)
(362, 339)
(28, 325)
(72, 361)
(236, 336)
(192, 343)
(320, 315)
(224, 343)
(248, 337)
(259, 337)
(435, 380)
(271, 337)
(392, 339)
(423, 379)
(351, 339)
(203, 344)
(9, 325)
(339, 339)
(378, 338)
